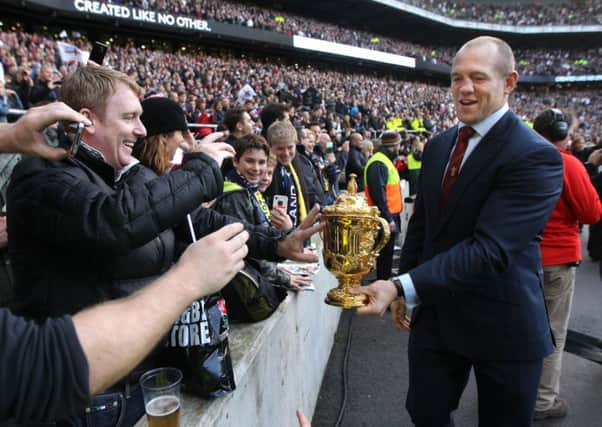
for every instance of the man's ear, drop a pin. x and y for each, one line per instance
(90, 116)
(510, 83)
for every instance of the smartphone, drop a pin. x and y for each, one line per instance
(98, 53)
(75, 131)
(329, 147)
(280, 202)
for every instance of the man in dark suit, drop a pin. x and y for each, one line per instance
(471, 264)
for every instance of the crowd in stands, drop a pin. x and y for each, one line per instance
(558, 62)
(313, 119)
(209, 83)
(574, 12)
(530, 62)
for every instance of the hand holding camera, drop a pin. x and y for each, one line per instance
(29, 137)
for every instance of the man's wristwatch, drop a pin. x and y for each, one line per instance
(399, 286)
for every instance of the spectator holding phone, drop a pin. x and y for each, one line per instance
(243, 200)
(114, 220)
(289, 178)
(278, 217)
(88, 347)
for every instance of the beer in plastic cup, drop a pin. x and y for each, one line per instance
(161, 391)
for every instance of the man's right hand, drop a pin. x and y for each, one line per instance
(207, 265)
(379, 296)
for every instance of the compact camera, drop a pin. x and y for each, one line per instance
(74, 132)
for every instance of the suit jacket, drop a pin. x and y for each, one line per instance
(476, 263)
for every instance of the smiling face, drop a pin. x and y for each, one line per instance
(308, 139)
(115, 132)
(284, 150)
(266, 177)
(482, 78)
(251, 165)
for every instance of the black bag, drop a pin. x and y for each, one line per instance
(197, 344)
(250, 297)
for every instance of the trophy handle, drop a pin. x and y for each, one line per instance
(384, 237)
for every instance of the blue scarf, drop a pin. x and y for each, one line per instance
(253, 190)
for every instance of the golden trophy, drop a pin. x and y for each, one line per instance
(350, 243)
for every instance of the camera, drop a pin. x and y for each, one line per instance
(75, 130)
(55, 137)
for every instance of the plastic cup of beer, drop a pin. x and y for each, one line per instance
(161, 391)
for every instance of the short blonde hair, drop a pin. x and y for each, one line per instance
(280, 131)
(272, 161)
(91, 87)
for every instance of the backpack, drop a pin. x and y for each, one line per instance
(249, 297)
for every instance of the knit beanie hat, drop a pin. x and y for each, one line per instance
(388, 139)
(162, 115)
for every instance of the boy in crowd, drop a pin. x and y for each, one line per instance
(242, 199)
(291, 174)
(94, 211)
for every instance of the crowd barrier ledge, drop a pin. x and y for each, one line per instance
(278, 364)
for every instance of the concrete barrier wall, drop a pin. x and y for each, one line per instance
(278, 364)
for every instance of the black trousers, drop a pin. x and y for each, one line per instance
(507, 390)
(384, 262)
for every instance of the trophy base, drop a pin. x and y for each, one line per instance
(340, 298)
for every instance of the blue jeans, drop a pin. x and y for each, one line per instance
(117, 409)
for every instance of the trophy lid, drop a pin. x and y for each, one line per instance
(350, 202)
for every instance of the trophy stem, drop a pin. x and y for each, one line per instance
(340, 297)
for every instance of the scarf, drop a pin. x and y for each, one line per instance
(261, 212)
(301, 202)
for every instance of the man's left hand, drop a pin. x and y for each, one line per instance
(3, 233)
(291, 247)
(399, 314)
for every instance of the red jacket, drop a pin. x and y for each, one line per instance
(578, 204)
(204, 119)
